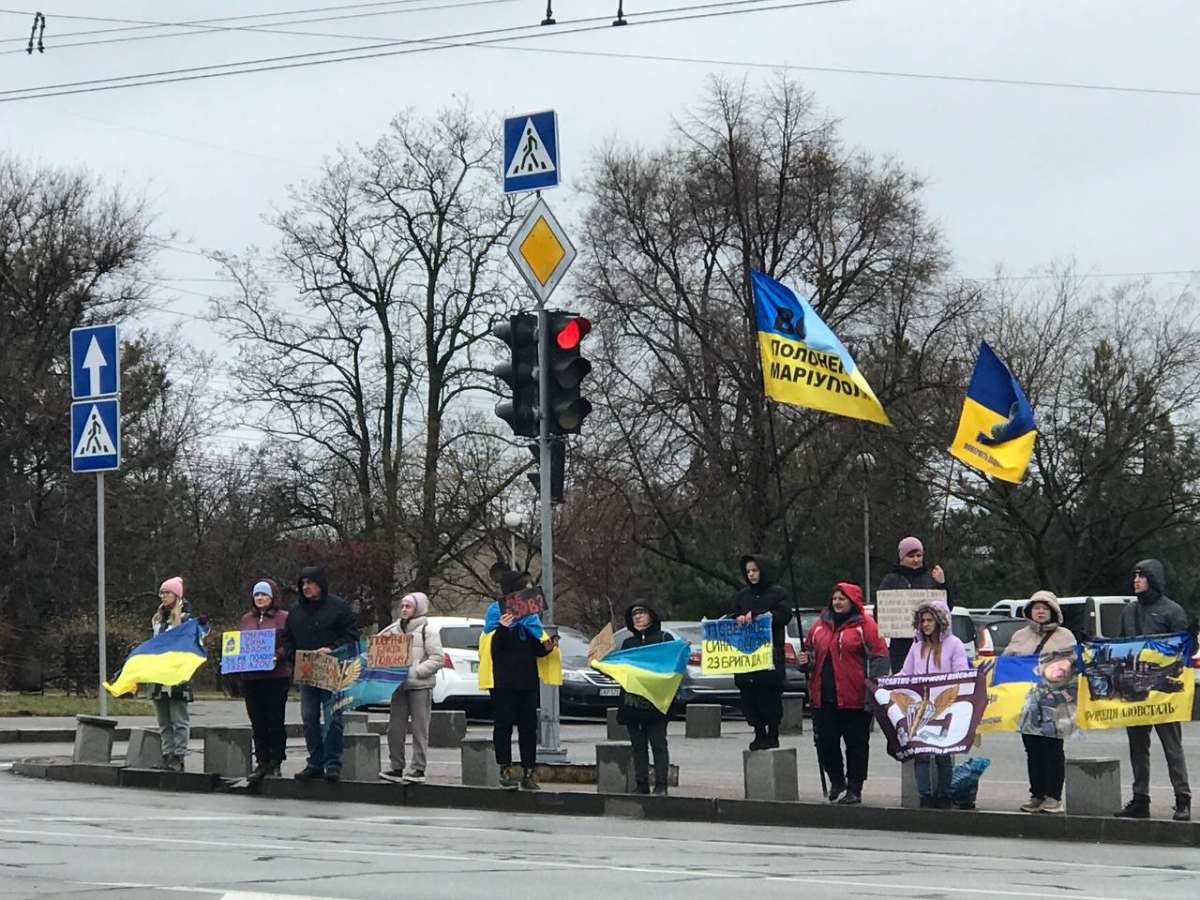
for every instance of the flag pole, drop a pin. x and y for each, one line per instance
(945, 511)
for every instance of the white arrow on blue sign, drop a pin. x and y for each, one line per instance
(531, 152)
(95, 362)
(96, 435)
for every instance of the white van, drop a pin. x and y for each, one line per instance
(1085, 616)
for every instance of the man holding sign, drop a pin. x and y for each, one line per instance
(265, 687)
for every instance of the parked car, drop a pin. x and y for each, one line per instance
(696, 688)
(583, 689)
(994, 632)
(1086, 616)
(457, 683)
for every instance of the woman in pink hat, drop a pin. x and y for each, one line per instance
(171, 702)
(911, 574)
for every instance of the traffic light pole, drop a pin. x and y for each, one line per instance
(550, 747)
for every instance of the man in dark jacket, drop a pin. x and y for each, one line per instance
(647, 726)
(323, 622)
(762, 692)
(1155, 613)
(911, 574)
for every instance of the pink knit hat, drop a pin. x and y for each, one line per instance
(908, 545)
(174, 585)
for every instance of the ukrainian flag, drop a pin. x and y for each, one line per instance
(803, 361)
(1009, 682)
(549, 666)
(996, 430)
(170, 657)
(653, 671)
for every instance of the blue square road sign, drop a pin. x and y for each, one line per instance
(531, 152)
(95, 362)
(96, 435)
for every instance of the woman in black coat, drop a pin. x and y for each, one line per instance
(647, 726)
(762, 692)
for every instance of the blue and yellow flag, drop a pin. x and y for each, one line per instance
(803, 361)
(729, 648)
(362, 684)
(653, 671)
(1137, 681)
(170, 657)
(525, 628)
(1033, 694)
(996, 429)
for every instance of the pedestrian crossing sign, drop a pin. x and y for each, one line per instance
(531, 152)
(96, 435)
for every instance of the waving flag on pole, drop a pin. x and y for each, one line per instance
(996, 429)
(170, 657)
(803, 361)
(653, 671)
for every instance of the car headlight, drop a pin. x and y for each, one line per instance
(572, 675)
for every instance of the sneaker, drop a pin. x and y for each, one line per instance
(836, 790)
(927, 803)
(1050, 805)
(1034, 805)
(852, 798)
(508, 779)
(528, 783)
(308, 773)
(415, 776)
(333, 776)
(176, 764)
(396, 775)
(1137, 808)
(660, 790)
(1183, 809)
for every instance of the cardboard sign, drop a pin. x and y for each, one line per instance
(602, 644)
(319, 670)
(727, 648)
(248, 651)
(529, 602)
(389, 651)
(894, 610)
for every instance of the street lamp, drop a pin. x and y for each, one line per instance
(512, 521)
(867, 461)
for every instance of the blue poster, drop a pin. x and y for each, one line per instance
(248, 651)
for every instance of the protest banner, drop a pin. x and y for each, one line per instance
(729, 648)
(1138, 681)
(320, 670)
(1032, 694)
(929, 715)
(529, 602)
(359, 682)
(602, 644)
(389, 651)
(894, 610)
(247, 651)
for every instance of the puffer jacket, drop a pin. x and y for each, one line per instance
(1153, 612)
(261, 620)
(765, 597)
(634, 708)
(426, 655)
(1041, 638)
(853, 648)
(158, 624)
(954, 654)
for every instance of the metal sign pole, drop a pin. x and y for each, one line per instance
(100, 589)
(549, 746)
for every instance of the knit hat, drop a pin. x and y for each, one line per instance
(908, 545)
(174, 585)
(419, 601)
(263, 588)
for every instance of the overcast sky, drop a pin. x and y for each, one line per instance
(1019, 175)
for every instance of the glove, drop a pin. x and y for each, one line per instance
(203, 620)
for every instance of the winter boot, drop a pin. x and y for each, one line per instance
(836, 789)
(508, 778)
(528, 783)
(1137, 808)
(853, 796)
(1183, 809)
(760, 738)
(660, 790)
(772, 741)
(260, 772)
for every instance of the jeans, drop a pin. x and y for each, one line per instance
(324, 746)
(515, 707)
(418, 704)
(174, 724)
(266, 703)
(945, 768)
(832, 727)
(1170, 735)
(644, 737)
(1047, 766)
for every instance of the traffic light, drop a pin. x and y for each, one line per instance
(520, 373)
(567, 369)
(558, 470)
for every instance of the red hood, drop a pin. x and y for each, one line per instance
(854, 592)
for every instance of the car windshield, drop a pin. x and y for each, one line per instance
(572, 643)
(461, 637)
(1002, 633)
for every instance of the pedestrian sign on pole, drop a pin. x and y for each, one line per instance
(542, 251)
(531, 152)
(95, 362)
(96, 435)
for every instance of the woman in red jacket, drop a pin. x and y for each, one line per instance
(845, 648)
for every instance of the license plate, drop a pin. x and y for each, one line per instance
(475, 667)
(610, 692)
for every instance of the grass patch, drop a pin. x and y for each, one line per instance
(56, 703)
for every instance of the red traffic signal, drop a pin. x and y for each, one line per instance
(572, 332)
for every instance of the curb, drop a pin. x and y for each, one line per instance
(962, 823)
(121, 733)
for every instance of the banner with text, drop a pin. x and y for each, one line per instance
(727, 648)
(929, 715)
(894, 610)
(1033, 694)
(248, 651)
(1138, 681)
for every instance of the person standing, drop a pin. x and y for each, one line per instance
(845, 649)
(647, 726)
(1044, 756)
(934, 651)
(1155, 613)
(171, 701)
(319, 621)
(516, 649)
(266, 692)
(911, 574)
(414, 698)
(762, 692)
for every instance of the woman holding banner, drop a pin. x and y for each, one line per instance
(846, 649)
(647, 726)
(1044, 755)
(414, 698)
(266, 692)
(935, 651)
(762, 692)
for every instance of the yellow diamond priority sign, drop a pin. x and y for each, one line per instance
(541, 251)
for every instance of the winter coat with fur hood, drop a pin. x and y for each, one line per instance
(425, 655)
(954, 654)
(1044, 637)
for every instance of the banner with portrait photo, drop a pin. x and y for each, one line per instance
(928, 715)
(1033, 694)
